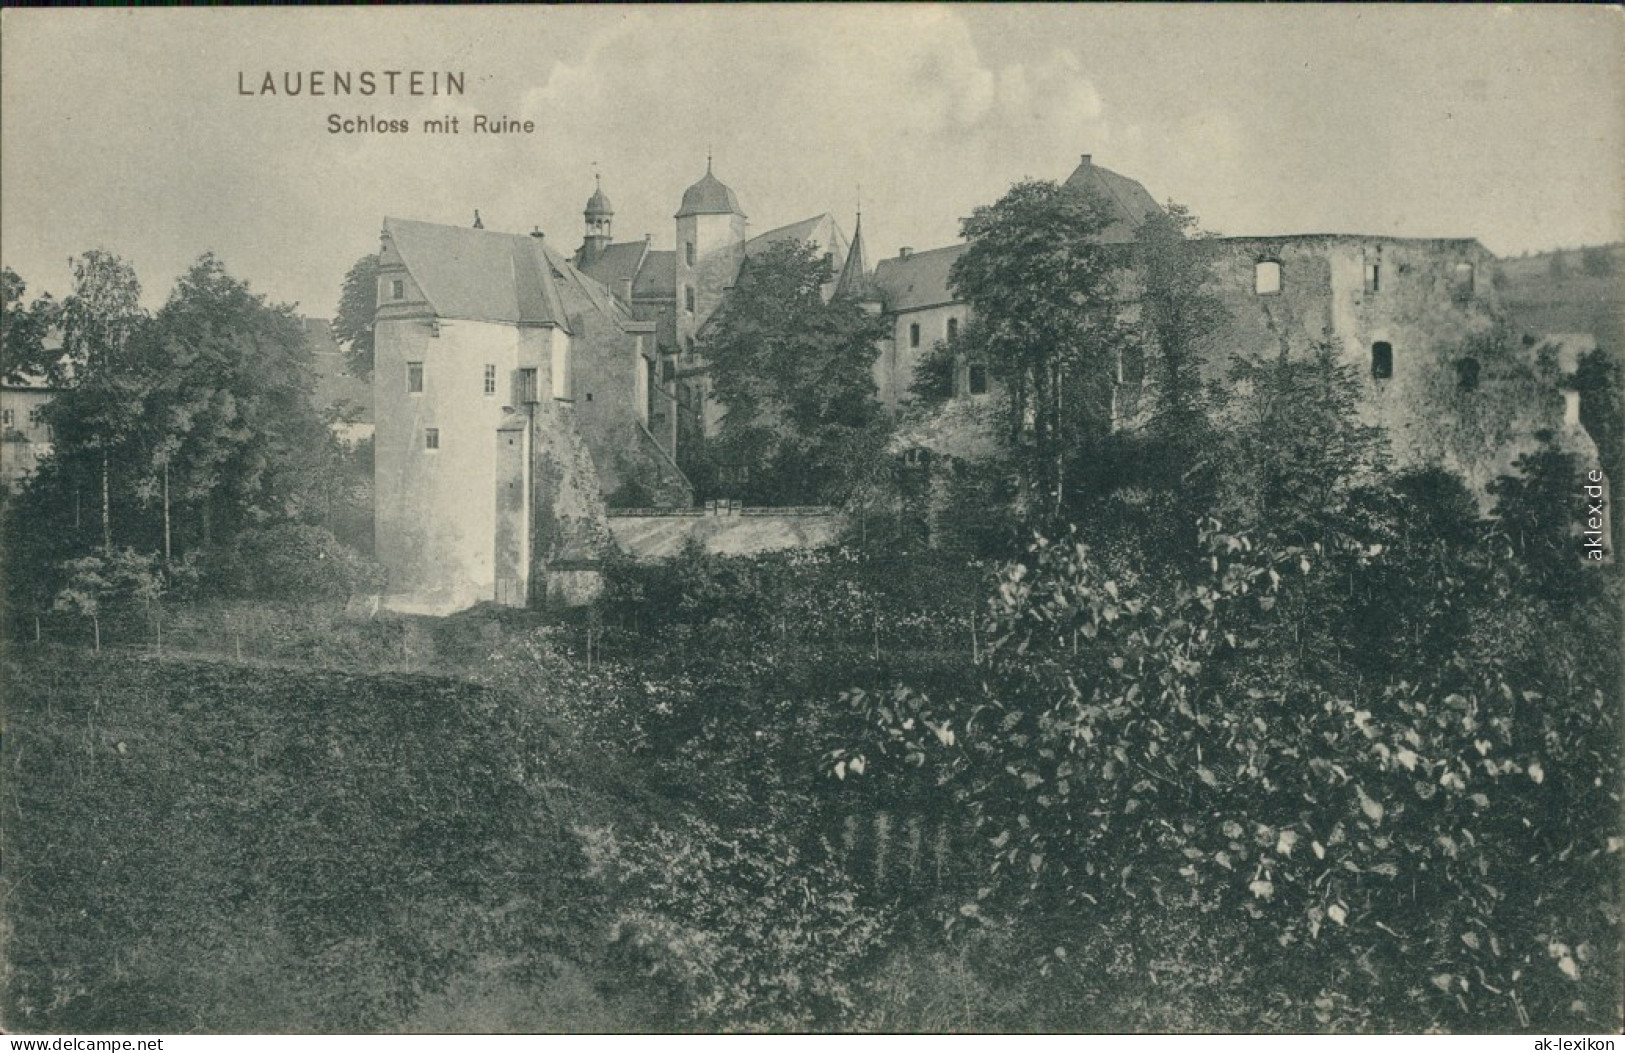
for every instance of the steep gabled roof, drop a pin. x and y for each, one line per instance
(480, 275)
(1126, 201)
(657, 279)
(917, 280)
(804, 230)
(617, 262)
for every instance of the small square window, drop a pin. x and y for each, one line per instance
(35, 416)
(490, 379)
(414, 378)
(1267, 277)
(397, 289)
(431, 438)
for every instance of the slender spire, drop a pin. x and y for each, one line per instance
(854, 284)
(479, 224)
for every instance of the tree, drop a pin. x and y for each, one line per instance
(354, 319)
(1293, 449)
(234, 427)
(23, 328)
(1044, 294)
(1180, 317)
(100, 320)
(796, 377)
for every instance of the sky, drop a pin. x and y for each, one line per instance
(126, 130)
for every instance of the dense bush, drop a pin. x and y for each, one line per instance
(291, 561)
(1391, 846)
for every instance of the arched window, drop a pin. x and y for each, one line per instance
(1467, 374)
(1382, 360)
(1267, 277)
(953, 328)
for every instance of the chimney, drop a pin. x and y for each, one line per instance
(648, 239)
(624, 290)
(536, 232)
(904, 253)
(1086, 159)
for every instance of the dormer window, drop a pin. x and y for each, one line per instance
(1267, 277)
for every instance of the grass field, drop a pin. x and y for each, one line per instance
(197, 845)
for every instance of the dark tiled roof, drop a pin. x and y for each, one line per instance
(1127, 202)
(658, 276)
(918, 280)
(618, 261)
(710, 196)
(481, 275)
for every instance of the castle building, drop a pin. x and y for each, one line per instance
(1417, 319)
(518, 387)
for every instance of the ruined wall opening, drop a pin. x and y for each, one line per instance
(1382, 360)
(1267, 277)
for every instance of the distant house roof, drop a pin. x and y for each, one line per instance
(481, 275)
(710, 196)
(1126, 201)
(917, 280)
(617, 262)
(805, 230)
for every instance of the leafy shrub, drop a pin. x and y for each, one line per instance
(292, 561)
(1441, 849)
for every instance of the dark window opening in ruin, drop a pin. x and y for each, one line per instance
(977, 375)
(1267, 277)
(688, 252)
(397, 289)
(914, 334)
(1467, 374)
(953, 328)
(1382, 360)
(414, 378)
(688, 298)
(525, 388)
(1373, 277)
(431, 438)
